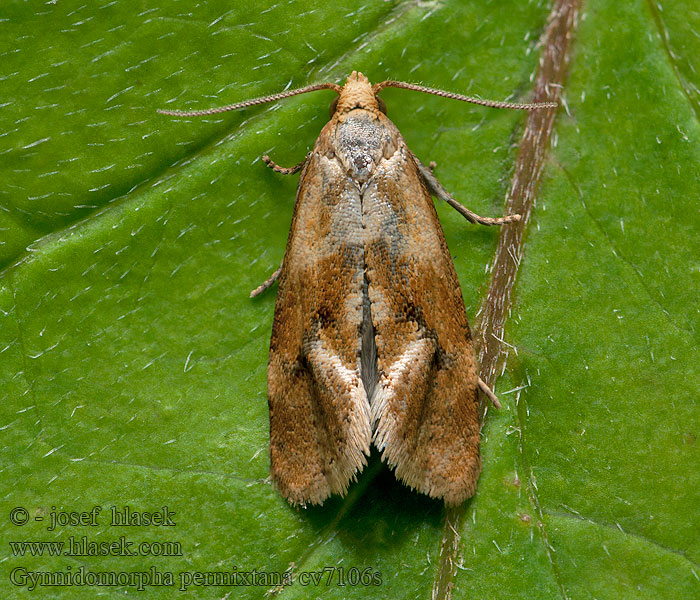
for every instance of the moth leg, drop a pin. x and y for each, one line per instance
(267, 283)
(487, 390)
(432, 165)
(284, 170)
(436, 189)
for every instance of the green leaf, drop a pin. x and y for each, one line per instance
(133, 363)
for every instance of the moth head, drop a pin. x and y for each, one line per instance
(357, 93)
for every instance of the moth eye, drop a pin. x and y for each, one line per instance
(382, 106)
(334, 107)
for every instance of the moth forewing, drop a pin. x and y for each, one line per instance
(319, 415)
(426, 419)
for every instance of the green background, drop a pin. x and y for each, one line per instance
(132, 362)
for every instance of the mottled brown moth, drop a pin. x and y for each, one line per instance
(370, 341)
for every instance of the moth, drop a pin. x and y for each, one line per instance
(370, 340)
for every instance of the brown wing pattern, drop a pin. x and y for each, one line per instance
(425, 410)
(366, 243)
(319, 414)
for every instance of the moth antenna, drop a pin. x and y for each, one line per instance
(492, 103)
(262, 100)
